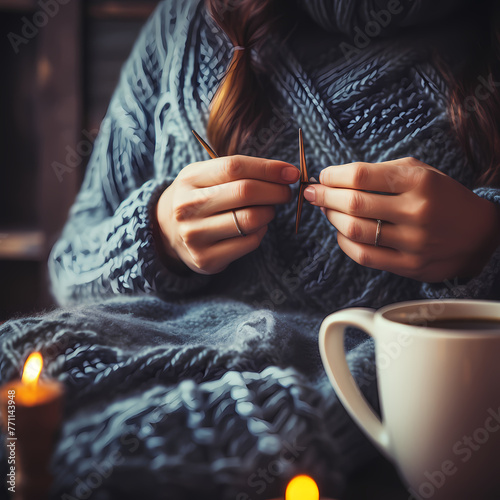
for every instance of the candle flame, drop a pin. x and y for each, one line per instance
(32, 368)
(302, 488)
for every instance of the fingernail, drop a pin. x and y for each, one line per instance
(310, 194)
(323, 210)
(290, 174)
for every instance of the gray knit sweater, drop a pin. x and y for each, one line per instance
(187, 384)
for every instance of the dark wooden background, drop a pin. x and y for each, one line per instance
(54, 92)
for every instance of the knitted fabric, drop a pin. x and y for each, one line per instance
(189, 385)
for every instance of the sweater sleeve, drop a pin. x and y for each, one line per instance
(107, 244)
(486, 285)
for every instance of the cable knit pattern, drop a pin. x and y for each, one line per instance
(188, 386)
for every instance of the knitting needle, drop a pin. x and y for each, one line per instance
(209, 150)
(304, 180)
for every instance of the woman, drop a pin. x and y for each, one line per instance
(191, 358)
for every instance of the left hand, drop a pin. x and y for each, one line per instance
(434, 228)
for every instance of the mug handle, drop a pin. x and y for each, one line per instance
(331, 346)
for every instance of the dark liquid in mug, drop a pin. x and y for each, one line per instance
(466, 323)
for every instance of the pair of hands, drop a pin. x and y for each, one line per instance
(433, 228)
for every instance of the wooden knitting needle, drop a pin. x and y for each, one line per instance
(209, 150)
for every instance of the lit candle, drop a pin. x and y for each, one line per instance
(31, 414)
(303, 488)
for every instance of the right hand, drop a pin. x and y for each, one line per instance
(194, 216)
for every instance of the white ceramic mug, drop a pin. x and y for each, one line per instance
(439, 392)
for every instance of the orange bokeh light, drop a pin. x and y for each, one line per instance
(302, 488)
(32, 368)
